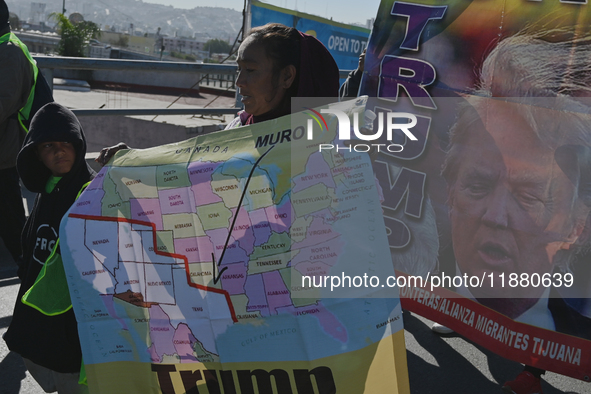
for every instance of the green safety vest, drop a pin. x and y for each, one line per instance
(24, 112)
(49, 294)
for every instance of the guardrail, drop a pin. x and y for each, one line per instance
(223, 81)
(154, 111)
(48, 63)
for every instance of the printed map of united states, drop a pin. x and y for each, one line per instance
(209, 251)
(157, 236)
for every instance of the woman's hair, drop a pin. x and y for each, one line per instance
(282, 46)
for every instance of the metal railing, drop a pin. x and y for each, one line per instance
(154, 111)
(48, 63)
(219, 81)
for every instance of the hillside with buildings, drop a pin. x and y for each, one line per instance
(137, 18)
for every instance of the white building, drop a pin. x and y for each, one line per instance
(183, 45)
(99, 51)
(38, 12)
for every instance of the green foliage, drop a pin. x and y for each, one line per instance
(217, 46)
(123, 41)
(74, 37)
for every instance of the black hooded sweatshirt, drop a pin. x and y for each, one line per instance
(50, 341)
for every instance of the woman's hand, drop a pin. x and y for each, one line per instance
(106, 153)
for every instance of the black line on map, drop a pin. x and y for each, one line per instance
(219, 275)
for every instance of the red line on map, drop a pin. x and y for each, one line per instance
(174, 255)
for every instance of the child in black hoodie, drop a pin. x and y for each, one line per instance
(52, 164)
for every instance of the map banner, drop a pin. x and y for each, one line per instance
(489, 205)
(344, 42)
(197, 267)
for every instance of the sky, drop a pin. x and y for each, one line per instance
(347, 11)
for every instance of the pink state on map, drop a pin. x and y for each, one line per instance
(178, 200)
(317, 171)
(200, 176)
(260, 226)
(242, 231)
(255, 291)
(329, 323)
(183, 342)
(204, 248)
(317, 232)
(201, 172)
(204, 194)
(196, 249)
(279, 216)
(146, 210)
(188, 247)
(161, 334)
(234, 277)
(327, 253)
(97, 182)
(89, 203)
(233, 254)
(277, 293)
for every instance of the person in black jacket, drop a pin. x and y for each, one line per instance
(52, 164)
(350, 88)
(16, 82)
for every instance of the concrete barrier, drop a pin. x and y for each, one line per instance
(147, 81)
